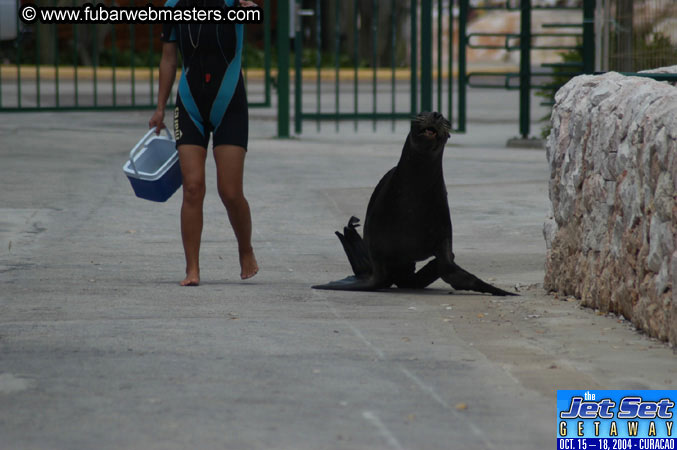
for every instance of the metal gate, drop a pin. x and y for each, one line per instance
(435, 71)
(525, 45)
(379, 84)
(359, 68)
(59, 67)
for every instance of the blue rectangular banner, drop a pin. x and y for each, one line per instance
(615, 419)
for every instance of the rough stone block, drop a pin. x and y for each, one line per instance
(611, 233)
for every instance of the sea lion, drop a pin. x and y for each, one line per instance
(408, 221)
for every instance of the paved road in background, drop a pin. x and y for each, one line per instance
(100, 347)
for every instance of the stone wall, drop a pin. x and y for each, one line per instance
(611, 236)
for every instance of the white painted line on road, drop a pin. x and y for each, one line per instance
(354, 329)
(428, 389)
(334, 205)
(385, 432)
(424, 387)
(359, 334)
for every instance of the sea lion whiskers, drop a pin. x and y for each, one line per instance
(431, 126)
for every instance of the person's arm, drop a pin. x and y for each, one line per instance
(168, 63)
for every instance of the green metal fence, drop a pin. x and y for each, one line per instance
(352, 60)
(370, 86)
(55, 67)
(526, 80)
(370, 89)
(636, 35)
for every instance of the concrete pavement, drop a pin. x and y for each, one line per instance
(100, 347)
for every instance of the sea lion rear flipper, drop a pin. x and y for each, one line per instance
(358, 256)
(463, 280)
(355, 249)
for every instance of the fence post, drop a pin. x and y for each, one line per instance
(266, 45)
(283, 69)
(414, 56)
(624, 38)
(427, 55)
(462, 81)
(525, 69)
(298, 69)
(589, 36)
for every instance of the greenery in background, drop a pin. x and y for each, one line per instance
(652, 50)
(254, 57)
(327, 59)
(561, 76)
(122, 58)
(127, 58)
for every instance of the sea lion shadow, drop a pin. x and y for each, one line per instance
(430, 292)
(213, 283)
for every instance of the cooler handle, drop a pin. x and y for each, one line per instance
(147, 137)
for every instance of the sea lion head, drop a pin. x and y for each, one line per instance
(429, 131)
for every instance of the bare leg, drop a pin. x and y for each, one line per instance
(229, 176)
(192, 159)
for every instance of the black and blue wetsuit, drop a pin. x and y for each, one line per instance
(211, 95)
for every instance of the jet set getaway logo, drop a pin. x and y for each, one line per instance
(615, 419)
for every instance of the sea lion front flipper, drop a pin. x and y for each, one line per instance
(459, 278)
(463, 280)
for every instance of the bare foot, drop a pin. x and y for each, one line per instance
(249, 266)
(192, 279)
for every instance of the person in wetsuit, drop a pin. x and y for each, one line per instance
(212, 100)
